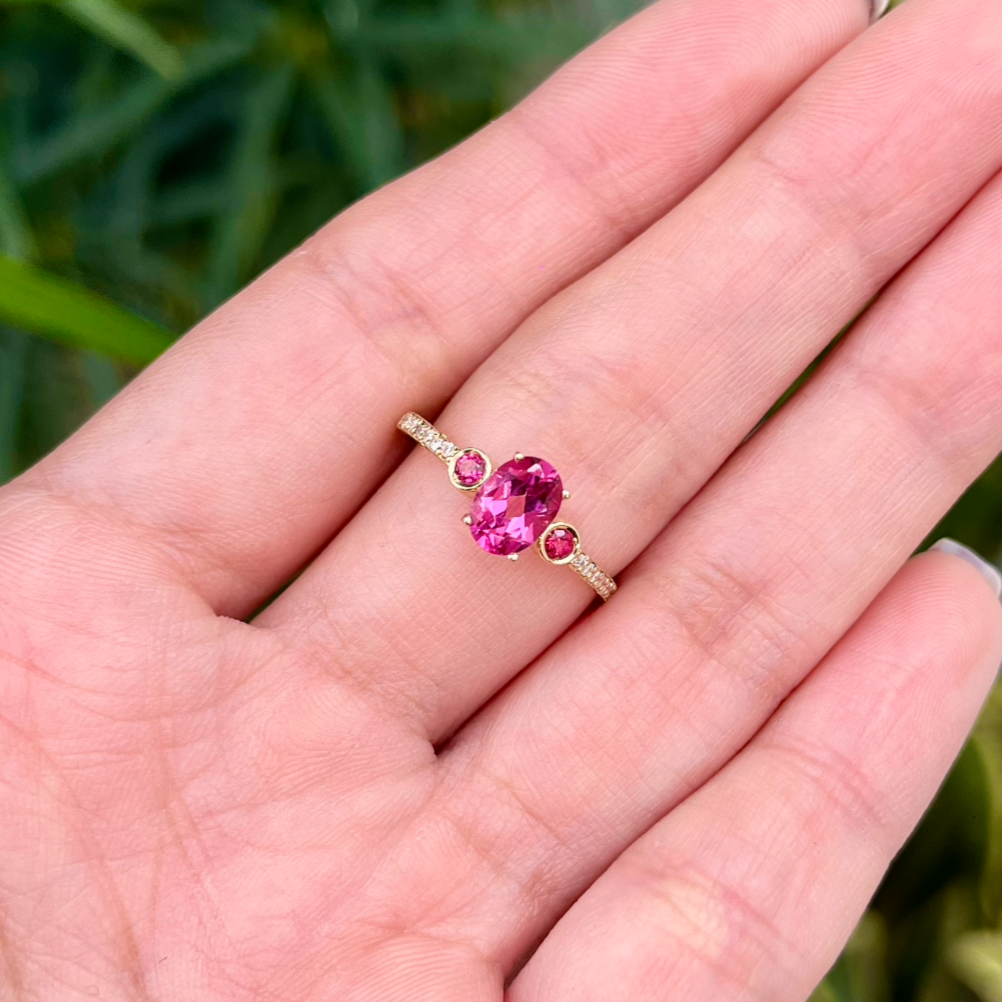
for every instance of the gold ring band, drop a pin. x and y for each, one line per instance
(514, 506)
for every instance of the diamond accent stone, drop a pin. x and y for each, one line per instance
(424, 433)
(603, 583)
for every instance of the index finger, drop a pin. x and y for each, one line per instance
(253, 440)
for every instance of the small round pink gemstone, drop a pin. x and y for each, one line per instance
(470, 468)
(559, 544)
(514, 505)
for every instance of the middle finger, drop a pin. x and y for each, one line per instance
(638, 381)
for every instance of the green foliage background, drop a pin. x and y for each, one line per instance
(155, 155)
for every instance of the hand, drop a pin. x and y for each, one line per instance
(419, 774)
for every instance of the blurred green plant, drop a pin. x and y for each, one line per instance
(41, 302)
(156, 154)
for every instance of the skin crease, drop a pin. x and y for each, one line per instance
(420, 774)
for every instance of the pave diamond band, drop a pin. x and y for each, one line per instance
(426, 434)
(514, 506)
(594, 575)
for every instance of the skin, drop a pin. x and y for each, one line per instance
(421, 773)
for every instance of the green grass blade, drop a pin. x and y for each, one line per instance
(53, 307)
(13, 351)
(976, 958)
(518, 41)
(126, 31)
(361, 116)
(987, 742)
(252, 190)
(90, 136)
(16, 239)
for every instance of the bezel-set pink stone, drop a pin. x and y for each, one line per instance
(516, 503)
(469, 469)
(559, 543)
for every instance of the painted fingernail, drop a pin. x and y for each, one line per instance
(877, 9)
(988, 571)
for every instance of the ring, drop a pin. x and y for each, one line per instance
(514, 506)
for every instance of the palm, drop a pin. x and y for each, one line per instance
(193, 824)
(419, 775)
(208, 824)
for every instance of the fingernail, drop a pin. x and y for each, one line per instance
(877, 9)
(988, 571)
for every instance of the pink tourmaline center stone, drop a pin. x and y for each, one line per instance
(559, 544)
(470, 468)
(515, 505)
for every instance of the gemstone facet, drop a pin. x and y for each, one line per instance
(515, 505)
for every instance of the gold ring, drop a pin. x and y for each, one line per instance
(514, 506)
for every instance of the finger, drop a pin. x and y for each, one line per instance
(247, 446)
(646, 375)
(749, 889)
(743, 593)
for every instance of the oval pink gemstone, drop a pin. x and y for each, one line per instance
(514, 505)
